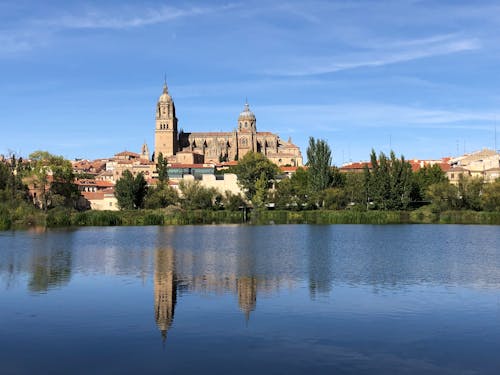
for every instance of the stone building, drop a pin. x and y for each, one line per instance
(215, 147)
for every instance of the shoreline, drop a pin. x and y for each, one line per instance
(60, 218)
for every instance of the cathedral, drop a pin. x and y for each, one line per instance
(216, 147)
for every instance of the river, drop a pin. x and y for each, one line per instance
(284, 299)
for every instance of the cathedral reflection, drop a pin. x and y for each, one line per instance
(176, 273)
(165, 288)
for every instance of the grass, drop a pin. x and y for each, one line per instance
(26, 216)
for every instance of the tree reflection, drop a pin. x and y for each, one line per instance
(320, 244)
(50, 268)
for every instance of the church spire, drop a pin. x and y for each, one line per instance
(165, 88)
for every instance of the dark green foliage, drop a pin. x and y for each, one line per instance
(152, 218)
(58, 217)
(389, 183)
(425, 177)
(162, 168)
(60, 189)
(319, 161)
(97, 218)
(443, 196)
(160, 197)
(293, 193)
(469, 191)
(195, 196)
(233, 202)
(335, 199)
(5, 221)
(355, 189)
(130, 192)
(251, 168)
(490, 199)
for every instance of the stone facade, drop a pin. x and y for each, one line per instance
(215, 147)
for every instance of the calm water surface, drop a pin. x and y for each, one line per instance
(291, 299)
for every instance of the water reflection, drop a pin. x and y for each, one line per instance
(165, 289)
(304, 299)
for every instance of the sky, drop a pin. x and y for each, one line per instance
(81, 79)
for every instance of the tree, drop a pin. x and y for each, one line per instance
(233, 202)
(389, 182)
(490, 199)
(424, 178)
(261, 188)
(130, 191)
(293, 192)
(195, 196)
(319, 161)
(162, 168)
(469, 191)
(355, 189)
(59, 189)
(335, 198)
(160, 197)
(251, 168)
(443, 196)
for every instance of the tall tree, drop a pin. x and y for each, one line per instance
(388, 183)
(319, 160)
(250, 168)
(130, 191)
(162, 168)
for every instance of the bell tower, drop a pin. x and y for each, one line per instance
(247, 131)
(166, 125)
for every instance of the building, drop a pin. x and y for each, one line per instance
(215, 147)
(483, 164)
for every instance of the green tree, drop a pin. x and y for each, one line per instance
(469, 191)
(319, 161)
(490, 199)
(293, 193)
(195, 196)
(250, 168)
(260, 198)
(160, 197)
(335, 198)
(425, 177)
(130, 192)
(162, 168)
(233, 202)
(443, 196)
(389, 182)
(59, 189)
(355, 189)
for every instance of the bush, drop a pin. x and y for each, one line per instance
(58, 217)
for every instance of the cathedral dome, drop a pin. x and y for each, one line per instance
(165, 97)
(247, 114)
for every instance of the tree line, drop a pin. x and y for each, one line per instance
(387, 183)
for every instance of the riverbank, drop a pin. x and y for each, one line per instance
(67, 218)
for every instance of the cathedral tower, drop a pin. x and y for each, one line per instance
(166, 140)
(247, 131)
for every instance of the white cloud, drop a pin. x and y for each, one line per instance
(127, 17)
(384, 54)
(123, 19)
(328, 117)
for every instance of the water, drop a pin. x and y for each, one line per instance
(291, 299)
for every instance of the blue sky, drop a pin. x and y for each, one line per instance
(81, 79)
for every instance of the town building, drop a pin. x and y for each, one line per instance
(204, 147)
